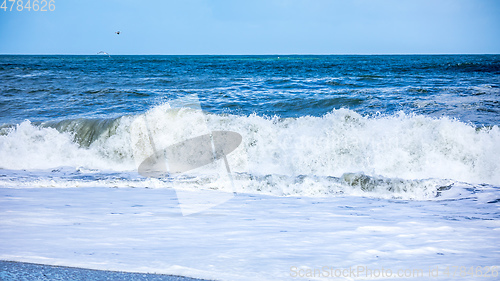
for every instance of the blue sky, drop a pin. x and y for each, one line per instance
(254, 27)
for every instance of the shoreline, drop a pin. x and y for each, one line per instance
(250, 237)
(15, 270)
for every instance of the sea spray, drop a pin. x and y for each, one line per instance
(402, 155)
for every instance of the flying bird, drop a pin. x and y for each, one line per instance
(117, 32)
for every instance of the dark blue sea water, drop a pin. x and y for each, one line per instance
(43, 88)
(331, 119)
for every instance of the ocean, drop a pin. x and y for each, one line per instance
(402, 150)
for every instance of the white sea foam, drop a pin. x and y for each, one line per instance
(335, 153)
(251, 237)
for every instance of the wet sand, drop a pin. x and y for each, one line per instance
(10, 270)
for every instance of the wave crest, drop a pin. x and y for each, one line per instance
(403, 146)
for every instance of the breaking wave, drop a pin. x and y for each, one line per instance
(342, 152)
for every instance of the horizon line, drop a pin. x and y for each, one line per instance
(269, 54)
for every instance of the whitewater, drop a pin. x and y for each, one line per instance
(349, 167)
(409, 156)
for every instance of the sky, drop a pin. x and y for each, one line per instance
(241, 27)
